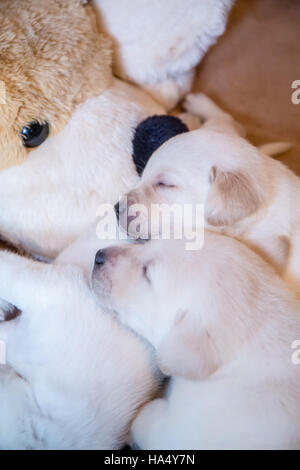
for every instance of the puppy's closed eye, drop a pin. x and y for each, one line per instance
(164, 184)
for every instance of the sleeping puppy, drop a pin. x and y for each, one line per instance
(74, 378)
(245, 193)
(224, 335)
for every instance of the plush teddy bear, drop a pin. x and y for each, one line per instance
(52, 58)
(66, 125)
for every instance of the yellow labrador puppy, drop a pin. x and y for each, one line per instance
(71, 377)
(245, 193)
(224, 327)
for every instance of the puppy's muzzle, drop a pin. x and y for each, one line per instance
(108, 256)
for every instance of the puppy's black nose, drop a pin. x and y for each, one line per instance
(117, 210)
(100, 258)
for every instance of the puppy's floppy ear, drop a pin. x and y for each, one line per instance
(188, 351)
(232, 197)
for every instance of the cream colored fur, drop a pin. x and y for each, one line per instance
(223, 325)
(246, 194)
(157, 44)
(56, 67)
(49, 200)
(52, 57)
(74, 377)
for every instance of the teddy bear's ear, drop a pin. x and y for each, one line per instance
(95, 72)
(88, 62)
(95, 66)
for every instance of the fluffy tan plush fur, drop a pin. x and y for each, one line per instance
(52, 57)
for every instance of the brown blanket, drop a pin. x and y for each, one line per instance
(250, 71)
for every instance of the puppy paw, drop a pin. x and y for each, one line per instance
(201, 105)
(191, 121)
(211, 115)
(147, 428)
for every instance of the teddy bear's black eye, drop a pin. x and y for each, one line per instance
(35, 134)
